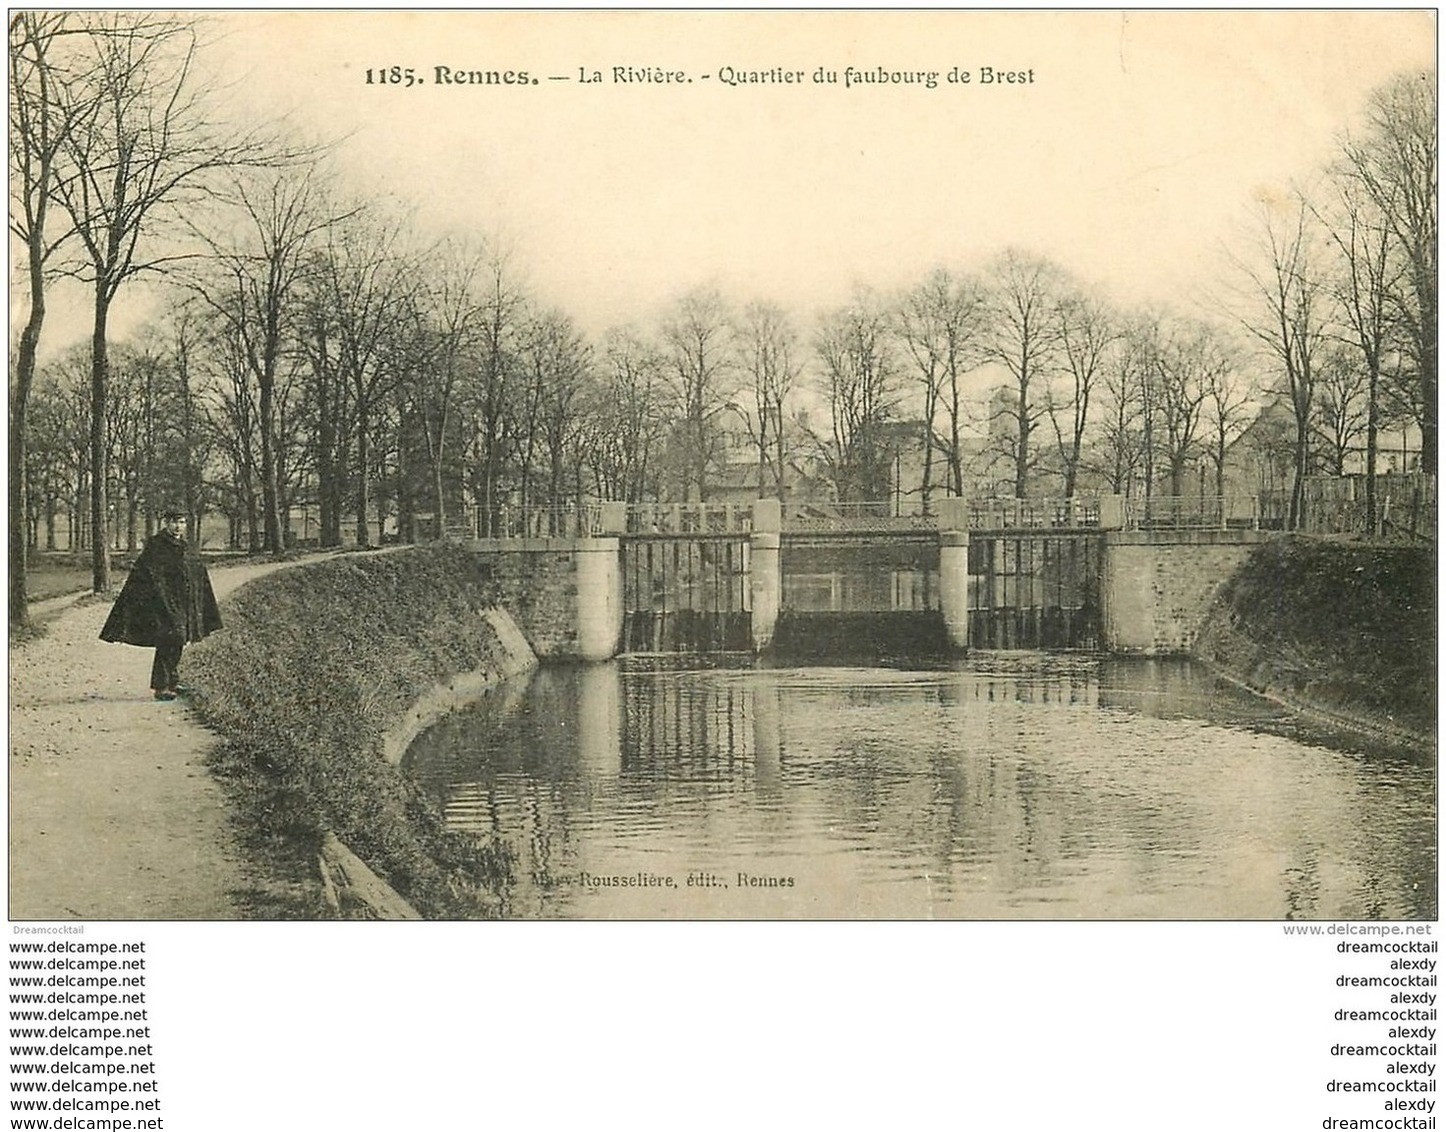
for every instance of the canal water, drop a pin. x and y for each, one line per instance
(1003, 786)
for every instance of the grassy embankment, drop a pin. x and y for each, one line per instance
(1341, 628)
(313, 667)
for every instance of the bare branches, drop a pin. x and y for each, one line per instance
(1289, 315)
(1393, 163)
(855, 345)
(42, 117)
(1024, 292)
(941, 324)
(1087, 332)
(765, 341)
(697, 338)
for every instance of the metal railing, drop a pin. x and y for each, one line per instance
(588, 520)
(1033, 514)
(689, 519)
(1180, 513)
(855, 517)
(983, 514)
(582, 520)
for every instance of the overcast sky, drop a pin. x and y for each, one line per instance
(1129, 158)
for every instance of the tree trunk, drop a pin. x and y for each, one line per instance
(1297, 486)
(439, 494)
(1428, 400)
(99, 382)
(1021, 466)
(363, 484)
(1372, 428)
(24, 378)
(270, 515)
(439, 499)
(328, 495)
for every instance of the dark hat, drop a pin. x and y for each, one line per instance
(172, 513)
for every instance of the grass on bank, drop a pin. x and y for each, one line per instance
(313, 666)
(1345, 626)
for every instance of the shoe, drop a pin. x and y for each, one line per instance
(165, 694)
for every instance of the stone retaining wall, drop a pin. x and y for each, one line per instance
(565, 594)
(1157, 587)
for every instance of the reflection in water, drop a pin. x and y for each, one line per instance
(1013, 786)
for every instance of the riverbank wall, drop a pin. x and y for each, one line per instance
(1157, 587)
(566, 594)
(1339, 630)
(318, 681)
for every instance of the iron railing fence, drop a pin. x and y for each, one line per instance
(1406, 510)
(1179, 512)
(1033, 514)
(689, 519)
(569, 520)
(862, 517)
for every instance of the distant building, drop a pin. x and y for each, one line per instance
(1261, 460)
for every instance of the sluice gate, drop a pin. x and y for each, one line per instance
(1034, 590)
(860, 596)
(686, 595)
(703, 578)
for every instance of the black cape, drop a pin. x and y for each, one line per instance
(167, 597)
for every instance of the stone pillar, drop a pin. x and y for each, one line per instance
(598, 563)
(953, 515)
(1112, 512)
(765, 570)
(614, 518)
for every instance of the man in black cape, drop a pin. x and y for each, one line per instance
(166, 601)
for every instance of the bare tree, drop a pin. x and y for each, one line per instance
(860, 371)
(453, 310)
(1366, 285)
(1024, 339)
(145, 148)
(183, 335)
(229, 412)
(131, 433)
(766, 341)
(557, 362)
(1288, 317)
(1395, 161)
(1120, 420)
(44, 109)
(260, 252)
(365, 277)
(491, 395)
(1341, 409)
(1087, 332)
(1228, 398)
(60, 437)
(566, 360)
(940, 324)
(1187, 361)
(696, 338)
(629, 418)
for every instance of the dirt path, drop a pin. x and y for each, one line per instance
(113, 815)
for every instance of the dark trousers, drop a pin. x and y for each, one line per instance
(166, 668)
